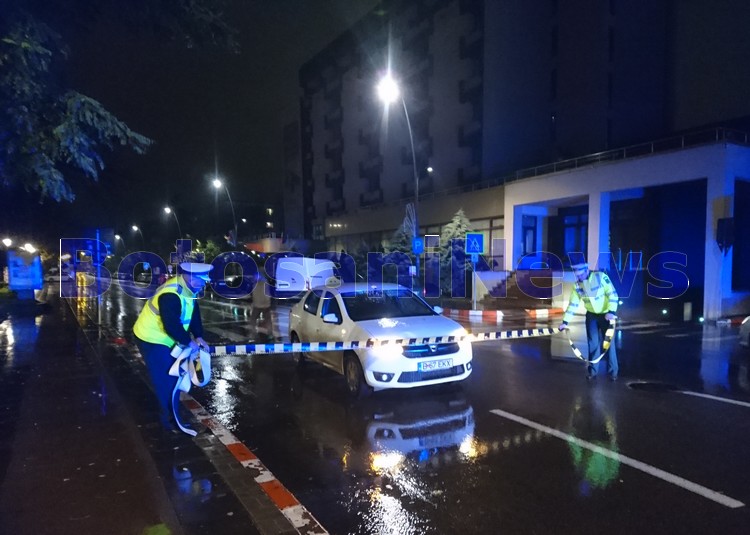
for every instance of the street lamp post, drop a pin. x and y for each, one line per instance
(388, 91)
(138, 230)
(168, 210)
(120, 238)
(218, 184)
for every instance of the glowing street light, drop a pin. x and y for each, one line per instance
(218, 184)
(29, 248)
(7, 242)
(136, 229)
(168, 210)
(388, 92)
(120, 238)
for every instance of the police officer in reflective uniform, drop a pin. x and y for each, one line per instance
(171, 317)
(600, 299)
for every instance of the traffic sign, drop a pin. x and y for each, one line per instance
(475, 243)
(417, 245)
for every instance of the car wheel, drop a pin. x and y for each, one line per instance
(299, 356)
(355, 377)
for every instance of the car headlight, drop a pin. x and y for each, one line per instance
(387, 351)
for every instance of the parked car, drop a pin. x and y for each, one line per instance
(745, 332)
(380, 311)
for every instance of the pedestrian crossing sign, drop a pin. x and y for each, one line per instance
(474, 243)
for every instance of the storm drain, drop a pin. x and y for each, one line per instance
(652, 386)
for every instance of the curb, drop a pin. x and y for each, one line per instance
(543, 313)
(296, 513)
(484, 315)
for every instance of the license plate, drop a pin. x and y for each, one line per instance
(432, 365)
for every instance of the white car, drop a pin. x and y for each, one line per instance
(745, 332)
(383, 312)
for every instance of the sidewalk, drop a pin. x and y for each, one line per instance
(79, 458)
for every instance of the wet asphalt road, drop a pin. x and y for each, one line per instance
(525, 445)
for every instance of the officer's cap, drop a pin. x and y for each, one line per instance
(579, 266)
(196, 269)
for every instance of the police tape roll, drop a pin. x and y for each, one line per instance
(608, 335)
(304, 347)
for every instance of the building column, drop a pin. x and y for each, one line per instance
(718, 267)
(598, 235)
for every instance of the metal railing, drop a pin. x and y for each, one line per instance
(703, 137)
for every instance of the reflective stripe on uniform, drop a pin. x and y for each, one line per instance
(149, 327)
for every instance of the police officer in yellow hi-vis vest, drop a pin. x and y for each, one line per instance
(171, 317)
(600, 299)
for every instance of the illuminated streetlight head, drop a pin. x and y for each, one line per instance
(7, 242)
(167, 210)
(117, 237)
(388, 89)
(217, 183)
(244, 220)
(29, 248)
(135, 228)
(430, 169)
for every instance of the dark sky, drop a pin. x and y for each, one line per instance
(203, 107)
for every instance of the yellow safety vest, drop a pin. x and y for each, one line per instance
(149, 327)
(597, 293)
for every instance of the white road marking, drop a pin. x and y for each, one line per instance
(716, 398)
(624, 459)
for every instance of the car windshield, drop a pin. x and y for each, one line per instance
(371, 305)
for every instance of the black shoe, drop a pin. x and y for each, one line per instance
(591, 378)
(613, 378)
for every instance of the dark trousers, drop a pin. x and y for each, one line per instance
(158, 361)
(596, 326)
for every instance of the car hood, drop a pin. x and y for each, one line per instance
(411, 327)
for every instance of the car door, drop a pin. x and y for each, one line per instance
(309, 321)
(329, 331)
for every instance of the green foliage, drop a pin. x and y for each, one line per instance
(50, 134)
(211, 250)
(451, 251)
(400, 241)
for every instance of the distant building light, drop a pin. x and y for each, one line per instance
(269, 224)
(269, 211)
(7, 242)
(29, 248)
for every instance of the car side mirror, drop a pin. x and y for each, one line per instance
(437, 309)
(330, 318)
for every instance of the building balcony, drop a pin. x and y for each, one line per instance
(333, 88)
(335, 207)
(469, 175)
(334, 148)
(470, 88)
(371, 198)
(370, 166)
(417, 31)
(471, 45)
(335, 179)
(469, 134)
(333, 119)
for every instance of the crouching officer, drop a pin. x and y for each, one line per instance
(600, 299)
(171, 317)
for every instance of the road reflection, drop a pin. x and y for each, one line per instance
(593, 420)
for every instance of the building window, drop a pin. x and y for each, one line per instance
(576, 224)
(528, 233)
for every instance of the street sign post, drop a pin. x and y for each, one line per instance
(474, 247)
